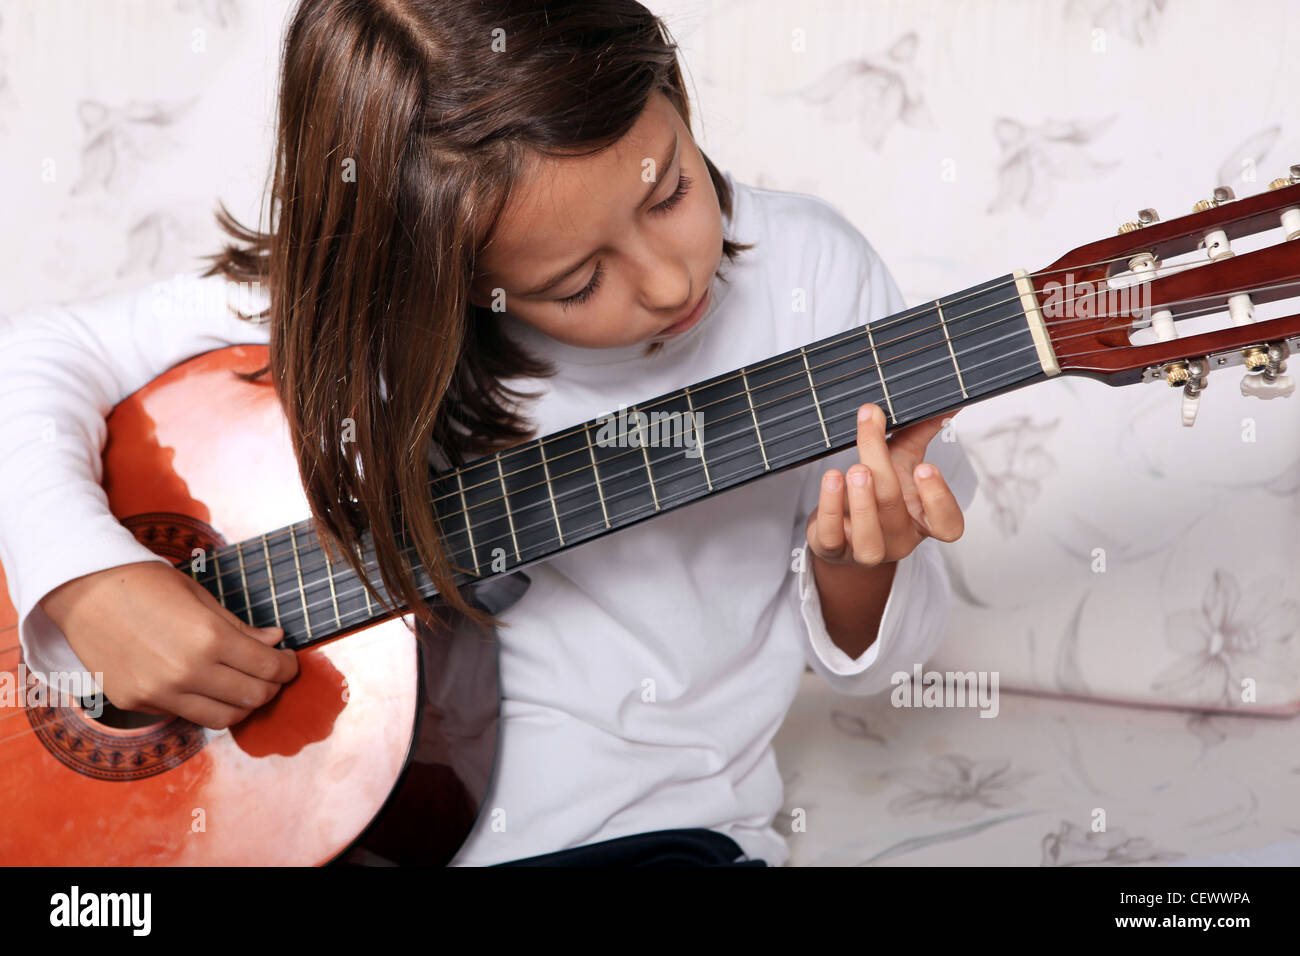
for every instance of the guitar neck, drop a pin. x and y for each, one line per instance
(524, 504)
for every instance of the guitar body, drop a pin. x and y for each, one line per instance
(371, 754)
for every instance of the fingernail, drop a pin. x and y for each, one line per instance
(831, 481)
(859, 478)
(864, 413)
(924, 471)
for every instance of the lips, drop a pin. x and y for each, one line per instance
(690, 318)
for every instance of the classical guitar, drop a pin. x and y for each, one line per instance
(374, 753)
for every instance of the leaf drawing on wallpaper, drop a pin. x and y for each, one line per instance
(1241, 169)
(1230, 638)
(912, 844)
(1012, 461)
(880, 91)
(1135, 20)
(116, 139)
(854, 726)
(1120, 545)
(1073, 845)
(958, 788)
(223, 12)
(1069, 676)
(1033, 157)
(958, 583)
(146, 241)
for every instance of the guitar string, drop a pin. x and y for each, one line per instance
(262, 564)
(546, 521)
(768, 386)
(758, 391)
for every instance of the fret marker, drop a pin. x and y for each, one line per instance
(596, 472)
(1037, 327)
(469, 525)
(754, 414)
(813, 390)
(881, 372)
(270, 577)
(640, 429)
(699, 438)
(505, 500)
(550, 490)
(302, 594)
(943, 324)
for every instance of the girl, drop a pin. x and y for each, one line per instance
(491, 221)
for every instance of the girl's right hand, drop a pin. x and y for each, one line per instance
(164, 645)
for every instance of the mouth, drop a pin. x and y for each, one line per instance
(684, 323)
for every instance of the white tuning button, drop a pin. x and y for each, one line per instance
(1190, 404)
(1290, 215)
(1256, 385)
(1241, 309)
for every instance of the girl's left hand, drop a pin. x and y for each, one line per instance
(892, 500)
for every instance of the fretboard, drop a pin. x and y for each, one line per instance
(510, 509)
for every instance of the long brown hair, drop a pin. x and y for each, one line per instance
(403, 127)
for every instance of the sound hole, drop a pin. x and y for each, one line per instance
(117, 718)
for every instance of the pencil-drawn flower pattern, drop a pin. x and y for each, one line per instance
(958, 788)
(1034, 157)
(1230, 639)
(1137, 21)
(1012, 461)
(880, 91)
(115, 140)
(1073, 845)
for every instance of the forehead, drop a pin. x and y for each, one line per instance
(566, 206)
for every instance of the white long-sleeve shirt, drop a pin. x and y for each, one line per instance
(643, 674)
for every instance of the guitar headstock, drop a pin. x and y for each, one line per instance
(1117, 309)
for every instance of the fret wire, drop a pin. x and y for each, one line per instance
(302, 594)
(550, 490)
(813, 391)
(943, 324)
(699, 437)
(757, 434)
(216, 564)
(505, 500)
(270, 577)
(596, 473)
(881, 372)
(248, 601)
(469, 527)
(645, 452)
(329, 575)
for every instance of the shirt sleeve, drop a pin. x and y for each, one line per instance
(916, 612)
(62, 369)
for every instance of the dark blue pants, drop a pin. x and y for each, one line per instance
(686, 847)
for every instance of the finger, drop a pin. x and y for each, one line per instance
(874, 453)
(247, 649)
(829, 525)
(942, 512)
(868, 536)
(206, 712)
(226, 685)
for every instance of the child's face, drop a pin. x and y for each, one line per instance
(656, 254)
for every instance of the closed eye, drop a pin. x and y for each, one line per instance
(683, 186)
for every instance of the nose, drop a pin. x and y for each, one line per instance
(665, 282)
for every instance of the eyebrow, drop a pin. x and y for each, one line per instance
(563, 274)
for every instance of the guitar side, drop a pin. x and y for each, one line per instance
(197, 459)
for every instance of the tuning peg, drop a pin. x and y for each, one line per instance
(1262, 378)
(1290, 215)
(1222, 194)
(1145, 218)
(1192, 376)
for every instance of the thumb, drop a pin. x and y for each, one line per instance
(269, 636)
